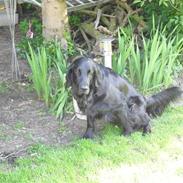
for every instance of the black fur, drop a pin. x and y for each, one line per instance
(101, 92)
(157, 103)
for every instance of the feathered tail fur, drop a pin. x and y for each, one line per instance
(157, 103)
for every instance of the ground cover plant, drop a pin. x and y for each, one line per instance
(83, 159)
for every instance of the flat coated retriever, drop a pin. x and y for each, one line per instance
(101, 92)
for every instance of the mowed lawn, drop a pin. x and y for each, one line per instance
(110, 157)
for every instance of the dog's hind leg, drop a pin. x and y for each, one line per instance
(124, 123)
(146, 129)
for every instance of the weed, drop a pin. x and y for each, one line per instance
(3, 88)
(19, 125)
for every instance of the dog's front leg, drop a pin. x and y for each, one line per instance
(90, 127)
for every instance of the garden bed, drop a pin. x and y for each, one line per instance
(24, 120)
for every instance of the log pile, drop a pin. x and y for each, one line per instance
(103, 21)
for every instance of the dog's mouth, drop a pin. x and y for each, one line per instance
(84, 92)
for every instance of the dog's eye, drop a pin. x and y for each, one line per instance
(89, 71)
(77, 72)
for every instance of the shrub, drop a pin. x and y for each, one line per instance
(169, 12)
(150, 63)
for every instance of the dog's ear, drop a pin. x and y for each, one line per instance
(97, 76)
(69, 75)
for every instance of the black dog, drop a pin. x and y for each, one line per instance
(101, 92)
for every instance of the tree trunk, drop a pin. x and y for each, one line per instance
(55, 19)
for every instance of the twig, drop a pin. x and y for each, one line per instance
(93, 13)
(97, 21)
(104, 30)
(85, 38)
(4, 157)
(130, 10)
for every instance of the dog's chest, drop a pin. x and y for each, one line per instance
(87, 102)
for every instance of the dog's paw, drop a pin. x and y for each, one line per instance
(146, 130)
(127, 132)
(88, 134)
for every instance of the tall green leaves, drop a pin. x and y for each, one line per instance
(40, 72)
(125, 47)
(48, 76)
(61, 94)
(149, 63)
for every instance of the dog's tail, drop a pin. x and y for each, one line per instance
(157, 103)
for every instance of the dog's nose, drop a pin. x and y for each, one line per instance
(84, 88)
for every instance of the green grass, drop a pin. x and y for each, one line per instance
(83, 159)
(3, 88)
(19, 125)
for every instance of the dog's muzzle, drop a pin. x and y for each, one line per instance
(84, 89)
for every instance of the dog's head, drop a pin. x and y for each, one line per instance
(83, 74)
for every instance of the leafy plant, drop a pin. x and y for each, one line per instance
(40, 72)
(74, 20)
(36, 41)
(48, 76)
(166, 12)
(148, 64)
(70, 44)
(61, 93)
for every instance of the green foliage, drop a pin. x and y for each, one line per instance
(39, 64)
(60, 94)
(166, 3)
(48, 66)
(166, 12)
(3, 87)
(23, 45)
(38, 41)
(148, 63)
(70, 44)
(74, 20)
(83, 160)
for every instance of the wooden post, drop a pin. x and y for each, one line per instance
(55, 19)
